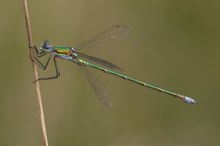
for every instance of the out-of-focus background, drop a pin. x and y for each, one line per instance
(172, 44)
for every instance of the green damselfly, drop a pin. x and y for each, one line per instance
(107, 37)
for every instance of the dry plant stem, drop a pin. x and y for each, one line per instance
(34, 68)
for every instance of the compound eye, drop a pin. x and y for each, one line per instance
(46, 44)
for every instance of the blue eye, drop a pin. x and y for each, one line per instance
(46, 44)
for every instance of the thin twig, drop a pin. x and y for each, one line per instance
(35, 73)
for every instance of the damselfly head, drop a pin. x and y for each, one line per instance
(46, 46)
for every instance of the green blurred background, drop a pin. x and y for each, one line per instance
(173, 44)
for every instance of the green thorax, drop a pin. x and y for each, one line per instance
(62, 50)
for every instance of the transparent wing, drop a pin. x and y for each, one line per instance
(101, 93)
(107, 37)
(99, 61)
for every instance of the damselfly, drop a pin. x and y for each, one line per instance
(107, 37)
